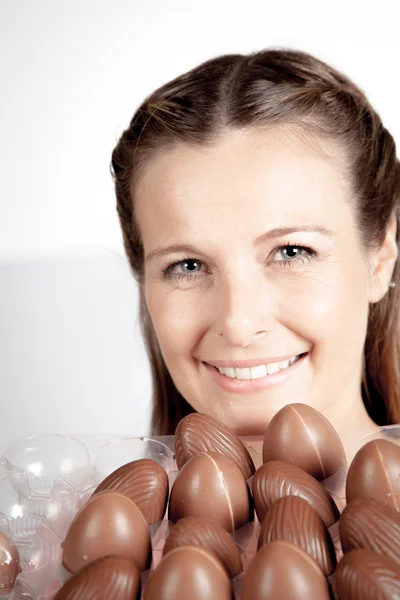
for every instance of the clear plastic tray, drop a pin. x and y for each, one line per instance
(44, 480)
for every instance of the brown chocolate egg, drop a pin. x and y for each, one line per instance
(188, 573)
(9, 564)
(276, 479)
(282, 571)
(293, 519)
(145, 482)
(211, 485)
(108, 578)
(365, 575)
(301, 436)
(199, 432)
(207, 534)
(108, 524)
(375, 473)
(368, 524)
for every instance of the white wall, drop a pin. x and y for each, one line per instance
(72, 74)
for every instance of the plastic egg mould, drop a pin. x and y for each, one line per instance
(45, 479)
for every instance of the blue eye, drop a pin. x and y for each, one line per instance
(191, 263)
(289, 255)
(291, 252)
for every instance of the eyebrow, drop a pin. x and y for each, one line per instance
(271, 234)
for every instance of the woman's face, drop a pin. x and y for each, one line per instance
(255, 278)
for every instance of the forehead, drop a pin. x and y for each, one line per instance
(277, 176)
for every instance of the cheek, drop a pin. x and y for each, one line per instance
(329, 309)
(178, 321)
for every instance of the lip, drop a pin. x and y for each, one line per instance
(243, 364)
(245, 386)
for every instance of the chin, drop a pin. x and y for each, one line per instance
(261, 416)
(242, 426)
(250, 430)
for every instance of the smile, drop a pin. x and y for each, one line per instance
(259, 371)
(254, 379)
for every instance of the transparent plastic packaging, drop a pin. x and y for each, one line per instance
(386, 432)
(44, 480)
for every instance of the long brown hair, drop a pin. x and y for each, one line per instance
(272, 87)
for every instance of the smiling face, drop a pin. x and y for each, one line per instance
(253, 257)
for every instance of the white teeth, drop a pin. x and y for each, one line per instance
(257, 372)
(284, 364)
(242, 373)
(272, 368)
(228, 371)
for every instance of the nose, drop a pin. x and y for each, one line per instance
(245, 312)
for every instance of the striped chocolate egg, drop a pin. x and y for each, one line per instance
(207, 534)
(145, 482)
(111, 577)
(365, 575)
(366, 523)
(293, 519)
(199, 432)
(276, 479)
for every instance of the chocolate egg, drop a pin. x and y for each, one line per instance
(188, 573)
(207, 534)
(293, 519)
(145, 482)
(276, 479)
(375, 473)
(368, 524)
(9, 564)
(365, 575)
(108, 578)
(282, 571)
(199, 432)
(301, 436)
(211, 485)
(108, 524)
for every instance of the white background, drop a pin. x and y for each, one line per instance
(72, 74)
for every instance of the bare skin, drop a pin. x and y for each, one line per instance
(274, 269)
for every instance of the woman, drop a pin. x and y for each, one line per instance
(258, 200)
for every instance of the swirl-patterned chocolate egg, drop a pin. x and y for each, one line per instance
(145, 482)
(365, 575)
(293, 519)
(111, 578)
(207, 534)
(199, 432)
(276, 479)
(366, 523)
